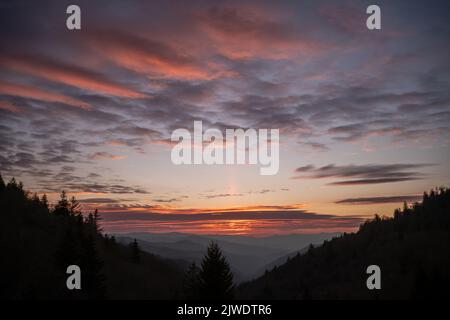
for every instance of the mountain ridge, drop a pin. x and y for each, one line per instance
(411, 249)
(247, 255)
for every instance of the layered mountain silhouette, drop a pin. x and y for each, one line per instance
(249, 257)
(38, 242)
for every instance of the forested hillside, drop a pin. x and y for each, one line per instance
(39, 241)
(412, 249)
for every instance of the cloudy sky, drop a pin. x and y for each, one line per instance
(364, 116)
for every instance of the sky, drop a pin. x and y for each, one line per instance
(363, 114)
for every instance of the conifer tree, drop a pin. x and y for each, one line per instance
(44, 201)
(68, 252)
(62, 208)
(2, 184)
(74, 207)
(191, 283)
(35, 198)
(97, 219)
(216, 279)
(135, 252)
(93, 279)
(91, 223)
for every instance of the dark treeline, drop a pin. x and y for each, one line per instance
(412, 249)
(38, 242)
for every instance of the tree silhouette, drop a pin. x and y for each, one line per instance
(191, 283)
(216, 279)
(62, 208)
(135, 252)
(93, 278)
(74, 207)
(97, 219)
(2, 184)
(44, 201)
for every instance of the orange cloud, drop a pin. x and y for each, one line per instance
(165, 209)
(13, 89)
(69, 75)
(116, 143)
(250, 227)
(105, 155)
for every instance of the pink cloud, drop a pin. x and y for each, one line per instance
(70, 75)
(5, 105)
(20, 90)
(253, 32)
(150, 57)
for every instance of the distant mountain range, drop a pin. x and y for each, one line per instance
(248, 256)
